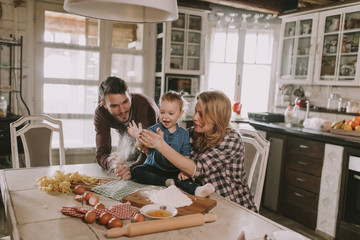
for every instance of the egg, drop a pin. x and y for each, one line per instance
(93, 200)
(88, 195)
(99, 206)
(104, 218)
(79, 189)
(90, 216)
(138, 218)
(115, 222)
(79, 198)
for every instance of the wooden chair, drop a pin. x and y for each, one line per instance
(36, 134)
(255, 161)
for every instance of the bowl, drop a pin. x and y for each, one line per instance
(287, 235)
(156, 211)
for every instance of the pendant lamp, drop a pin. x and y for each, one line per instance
(138, 11)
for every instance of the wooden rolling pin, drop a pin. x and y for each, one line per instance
(154, 226)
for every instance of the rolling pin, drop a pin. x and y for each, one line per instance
(154, 226)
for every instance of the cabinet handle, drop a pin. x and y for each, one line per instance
(357, 177)
(300, 179)
(303, 146)
(298, 194)
(302, 163)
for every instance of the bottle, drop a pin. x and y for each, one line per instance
(3, 107)
(288, 114)
(296, 114)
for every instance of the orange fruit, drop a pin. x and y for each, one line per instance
(354, 123)
(348, 122)
(357, 118)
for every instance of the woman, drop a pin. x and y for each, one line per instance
(217, 155)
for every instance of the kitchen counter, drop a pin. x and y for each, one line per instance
(337, 139)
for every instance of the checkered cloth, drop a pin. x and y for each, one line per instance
(122, 211)
(118, 189)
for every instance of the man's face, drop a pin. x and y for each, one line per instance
(118, 105)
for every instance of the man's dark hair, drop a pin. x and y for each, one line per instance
(112, 85)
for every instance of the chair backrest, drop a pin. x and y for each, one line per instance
(255, 161)
(36, 134)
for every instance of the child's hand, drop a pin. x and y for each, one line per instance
(183, 176)
(134, 130)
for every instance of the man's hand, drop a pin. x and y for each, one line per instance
(151, 139)
(134, 130)
(122, 171)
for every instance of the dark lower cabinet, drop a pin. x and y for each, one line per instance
(301, 180)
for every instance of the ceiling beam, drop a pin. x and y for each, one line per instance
(273, 7)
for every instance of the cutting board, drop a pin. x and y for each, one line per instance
(199, 205)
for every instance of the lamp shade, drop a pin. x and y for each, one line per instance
(125, 10)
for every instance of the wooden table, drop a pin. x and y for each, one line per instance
(33, 214)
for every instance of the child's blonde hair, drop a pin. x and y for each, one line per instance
(173, 96)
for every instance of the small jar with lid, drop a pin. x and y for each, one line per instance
(3, 107)
(342, 104)
(333, 101)
(352, 107)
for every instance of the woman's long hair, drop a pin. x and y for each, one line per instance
(216, 108)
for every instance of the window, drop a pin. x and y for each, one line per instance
(74, 54)
(240, 65)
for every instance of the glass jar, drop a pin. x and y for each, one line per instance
(342, 104)
(333, 101)
(352, 107)
(3, 107)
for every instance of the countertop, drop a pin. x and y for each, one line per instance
(327, 137)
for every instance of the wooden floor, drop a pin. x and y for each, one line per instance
(291, 224)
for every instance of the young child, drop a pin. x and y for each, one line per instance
(157, 169)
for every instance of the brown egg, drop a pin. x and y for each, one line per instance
(88, 195)
(79, 198)
(104, 218)
(99, 206)
(138, 218)
(93, 200)
(79, 189)
(90, 216)
(115, 222)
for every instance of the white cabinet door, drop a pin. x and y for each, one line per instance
(185, 43)
(297, 50)
(337, 59)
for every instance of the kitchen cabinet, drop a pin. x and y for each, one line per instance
(337, 57)
(297, 50)
(180, 47)
(302, 177)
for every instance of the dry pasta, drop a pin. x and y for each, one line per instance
(61, 182)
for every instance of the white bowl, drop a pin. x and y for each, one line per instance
(287, 235)
(153, 207)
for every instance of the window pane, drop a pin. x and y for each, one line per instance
(78, 133)
(250, 49)
(255, 88)
(218, 46)
(73, 64)
(128, 67)
(127, 36)
(264, 48)
(232, 42)
(71, 29)
(222, 76)
(75, 99)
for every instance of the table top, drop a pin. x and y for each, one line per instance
(34, 214)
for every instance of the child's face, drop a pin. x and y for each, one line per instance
(169, 114)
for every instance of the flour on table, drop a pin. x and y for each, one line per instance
(170, 196)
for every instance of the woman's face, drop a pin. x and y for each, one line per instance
(201, 124)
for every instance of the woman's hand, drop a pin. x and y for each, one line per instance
(134, 130)
(152, 140)
(182, 176)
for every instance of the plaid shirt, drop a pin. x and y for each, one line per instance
(223, 167)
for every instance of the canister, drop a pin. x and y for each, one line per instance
(3, 107)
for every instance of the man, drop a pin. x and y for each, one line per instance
(117, 108)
